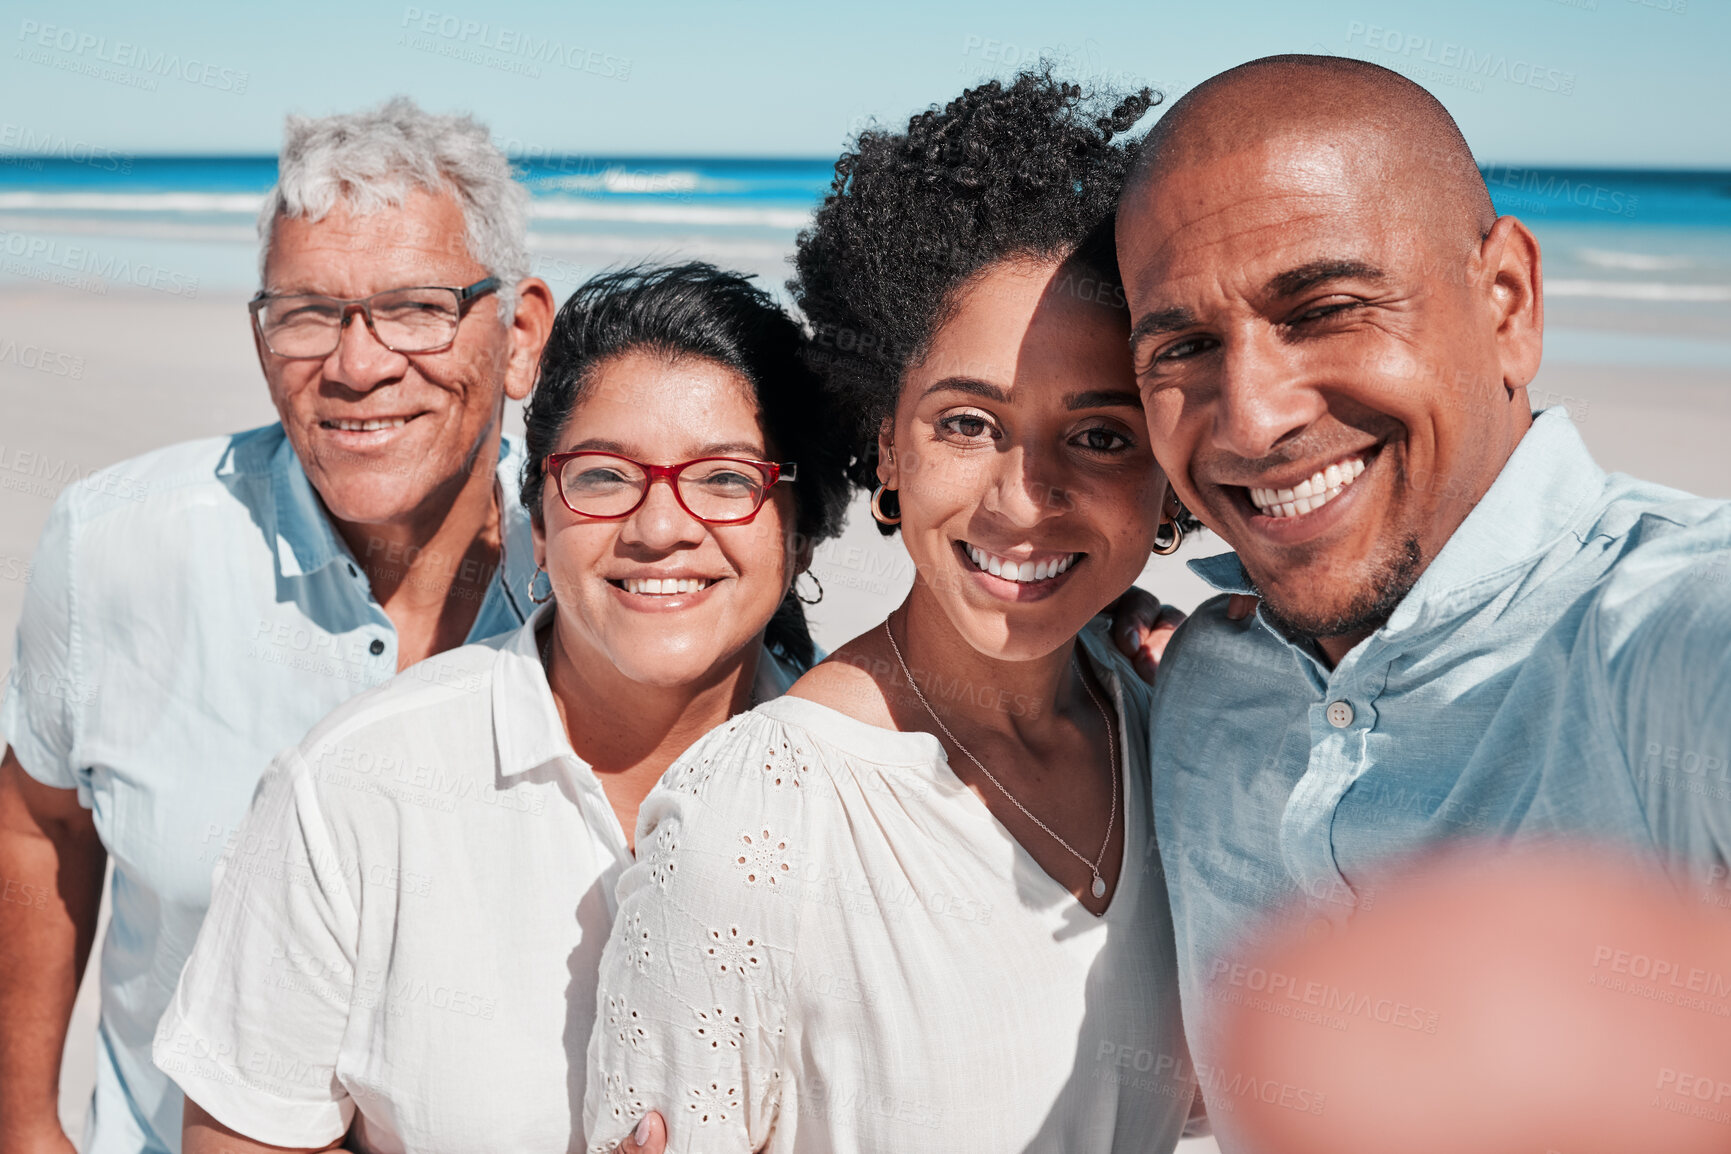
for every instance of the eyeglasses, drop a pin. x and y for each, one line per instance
(715, 490)
(302, 326)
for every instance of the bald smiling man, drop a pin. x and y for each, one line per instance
(1467, 629)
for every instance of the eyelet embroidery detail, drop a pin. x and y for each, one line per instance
(637, 937)
(661, 863)
(713, 1103)
(782, 764)
(720, 1028)
(626, 1023)
(622, 1099)
(764, 858)
(734, 952)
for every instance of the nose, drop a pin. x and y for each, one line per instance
(661, 524)
(1027, 487)
(361, 361)
(1265, 394)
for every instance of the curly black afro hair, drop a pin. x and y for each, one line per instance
(1028, 169)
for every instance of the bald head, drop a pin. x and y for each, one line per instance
(1396, 133)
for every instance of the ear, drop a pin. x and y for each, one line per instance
(538, 530)
(1510, 259)
(889, 469)
(529, 329)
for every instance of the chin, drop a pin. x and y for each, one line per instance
(655, 663)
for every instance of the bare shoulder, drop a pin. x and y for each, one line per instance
(853, 680)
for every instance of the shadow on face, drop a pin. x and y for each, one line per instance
(657, 594)
(1029, 497)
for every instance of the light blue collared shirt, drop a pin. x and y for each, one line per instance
(1561, 668)
(191, 613)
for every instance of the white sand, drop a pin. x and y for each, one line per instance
(158, 369)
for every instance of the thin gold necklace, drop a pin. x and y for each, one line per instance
(1099, 887)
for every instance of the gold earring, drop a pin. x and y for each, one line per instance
(878, 507)
(1167, 548)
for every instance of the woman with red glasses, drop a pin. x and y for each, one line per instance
(402, 953)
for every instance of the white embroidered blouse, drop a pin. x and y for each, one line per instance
(828, 943)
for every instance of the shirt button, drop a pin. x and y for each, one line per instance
(352, 572)
(1339, 714)
(377, 647)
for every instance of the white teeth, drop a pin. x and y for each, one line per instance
(368, 426)
(1019, 571)
(663, 586)
(1310, 494)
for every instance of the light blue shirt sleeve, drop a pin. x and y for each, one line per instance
(45, 692)
(1667, 689)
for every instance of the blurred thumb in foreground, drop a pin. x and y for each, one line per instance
(1494, 1002)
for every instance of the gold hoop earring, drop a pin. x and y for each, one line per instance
(878, 507)
(1167, 548)
(804, 600)
(540, 572)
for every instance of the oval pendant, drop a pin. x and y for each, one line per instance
(1099, 886)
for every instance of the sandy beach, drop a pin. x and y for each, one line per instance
(87, 379)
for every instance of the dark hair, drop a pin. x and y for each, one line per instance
(1028, 169)
(698, 310)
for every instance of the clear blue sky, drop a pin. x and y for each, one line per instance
(1600, 82)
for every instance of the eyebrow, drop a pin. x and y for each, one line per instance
(713, 449)
(1103, 399)
(972, 385)
(1170, 320)
(1285, 284)
(1307, 276)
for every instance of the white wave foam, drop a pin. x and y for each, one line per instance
(1636, 261)
(211, 202)
(1638, 290)
(557, 208)
(571, 209)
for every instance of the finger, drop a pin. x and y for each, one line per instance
(650, 1137)
(1239, 606)
(1154, 642)
(1133, 616)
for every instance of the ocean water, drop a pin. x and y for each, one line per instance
(1637, 263)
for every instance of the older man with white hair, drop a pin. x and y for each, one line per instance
(170, 646)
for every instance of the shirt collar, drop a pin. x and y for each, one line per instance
(303, 536)
(1544, 487)
(305, 540)
(527, 730)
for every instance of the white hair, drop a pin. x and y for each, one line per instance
(372, 160)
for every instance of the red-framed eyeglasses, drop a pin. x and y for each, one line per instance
(715, 490)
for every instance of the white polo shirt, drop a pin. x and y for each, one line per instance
(409, 925)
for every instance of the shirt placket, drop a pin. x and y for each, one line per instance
(1339, 728)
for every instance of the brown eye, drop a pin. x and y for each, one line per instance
(968, 426)
(1102, 440)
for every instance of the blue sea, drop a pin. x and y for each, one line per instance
(1637, 263)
